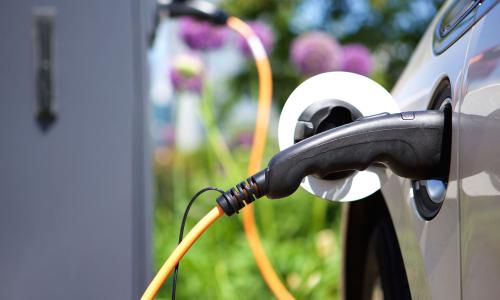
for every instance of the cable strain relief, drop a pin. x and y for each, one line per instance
(259, 181)
(245, 192)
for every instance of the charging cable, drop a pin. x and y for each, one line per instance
(413, 145)
(179, 252)
(207, 11)
(256, 154)
(181, 232)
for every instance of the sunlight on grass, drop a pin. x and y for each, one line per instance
(300, 234)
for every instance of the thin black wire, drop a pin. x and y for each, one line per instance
(183, 223)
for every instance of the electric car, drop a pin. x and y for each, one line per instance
(438, 239)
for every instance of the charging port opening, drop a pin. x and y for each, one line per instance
(322, 116)
(429, 195)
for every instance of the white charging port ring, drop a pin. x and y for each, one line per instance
(368, 97)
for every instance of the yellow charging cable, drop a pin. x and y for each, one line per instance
(180, 251)
(256, 154)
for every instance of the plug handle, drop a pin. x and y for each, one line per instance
(411, 144)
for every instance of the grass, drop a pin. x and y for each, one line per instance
(300, 234)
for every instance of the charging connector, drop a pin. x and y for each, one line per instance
(199, 9)
(408, 143)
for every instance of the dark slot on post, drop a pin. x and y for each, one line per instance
(44, 68)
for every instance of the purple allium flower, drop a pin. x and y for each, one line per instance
(357, 58)
(245, 138)
(263, 32)
(187, 73)
(168, 134)
(316, 52)
(201, 35)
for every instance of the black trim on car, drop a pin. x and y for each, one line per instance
(457, 20)
(429, 195)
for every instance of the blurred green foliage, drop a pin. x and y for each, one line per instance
(300, 233)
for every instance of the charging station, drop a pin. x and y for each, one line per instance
(75, 216)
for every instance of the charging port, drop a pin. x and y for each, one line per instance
(322, 116)
(429, 195)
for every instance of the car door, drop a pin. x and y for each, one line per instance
(479, 158)
(431, 242)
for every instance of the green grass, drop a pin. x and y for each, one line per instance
(300, 234)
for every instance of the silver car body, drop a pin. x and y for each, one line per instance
(456, 255)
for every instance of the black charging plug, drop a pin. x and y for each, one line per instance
(199, 9)
(411, 144)
(202, 10)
